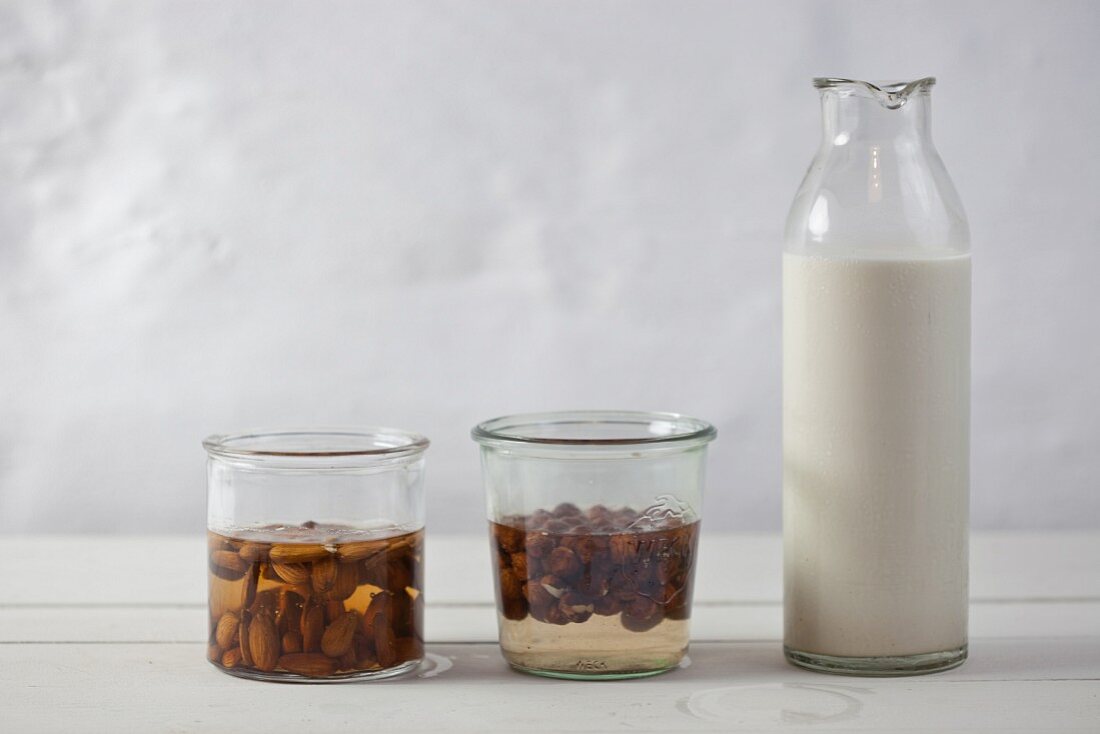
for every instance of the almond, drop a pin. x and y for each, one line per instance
(373, 570)
(263, 643)
(408, 613)
(297, 552)
(311, 664)
(292, 573)
(266, 601)
(347, 581)
(385, 644)
(359, 550)
(409, 648)
(292, 641)
(227, 627)
(380, 604)
(231, 658)
(250, 583)
(347, 660)
(227, 597)
(400, 575)
(213, 652)
(289, 614)
(337, 638)
(227, 565)
(313, 627)
(323, 575)
(364, 652)
(333, 611)
(246, 622)
(253, 552)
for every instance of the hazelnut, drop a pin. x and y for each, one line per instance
(598, 512)
(625, 517)
(634, 624)
(538, 520)
(537, 596)
(553, 585)
(510, 538)
(564, 563)
(514, 608)
(576, 523)
(519, 565)
(590, 547)
(622, 584)
(576, 607)
(567, 509)
(557, 526)
(607, 606)
(641, 614)
(539, 545)
(642, 607)
(678, 607)
(554, 615)
(623, 548)
(510, 586)
(594, 581)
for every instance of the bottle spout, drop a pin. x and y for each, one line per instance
(891, 95)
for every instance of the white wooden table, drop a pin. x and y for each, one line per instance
(107, 634)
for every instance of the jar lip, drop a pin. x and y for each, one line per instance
(316, 443)
(595, 428)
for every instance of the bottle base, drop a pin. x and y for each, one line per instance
(880, 667)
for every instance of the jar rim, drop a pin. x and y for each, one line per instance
(316, 443)
(579, 428)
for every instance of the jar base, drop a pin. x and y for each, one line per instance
(878, 667)
(573, 675)
(355, 676)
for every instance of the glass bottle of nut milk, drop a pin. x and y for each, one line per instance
(876, 393)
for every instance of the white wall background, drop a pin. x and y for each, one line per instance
(222, 215)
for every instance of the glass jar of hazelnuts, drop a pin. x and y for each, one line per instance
(594, 523)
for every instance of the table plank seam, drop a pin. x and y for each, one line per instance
(708, 603)
(694, 641)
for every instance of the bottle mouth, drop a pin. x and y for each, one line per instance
(891, 95)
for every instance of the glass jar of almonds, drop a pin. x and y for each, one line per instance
(315, 553)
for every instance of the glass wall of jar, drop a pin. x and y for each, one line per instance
(316, 542)
(594, 522)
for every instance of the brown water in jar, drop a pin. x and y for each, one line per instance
(596, 593)
(349, 604)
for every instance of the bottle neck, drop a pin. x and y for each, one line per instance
(856, 118)
(877, 184)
